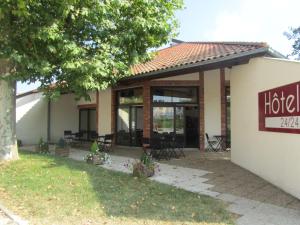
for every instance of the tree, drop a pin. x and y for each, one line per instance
(81, 45)
(294, 34)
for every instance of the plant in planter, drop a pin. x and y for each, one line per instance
(145, 167)
(96, 156)
(62, 148)
(42, 146)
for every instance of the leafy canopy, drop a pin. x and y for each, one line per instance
(294, 34)
(81, 44)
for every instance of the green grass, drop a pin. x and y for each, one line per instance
(52, 190)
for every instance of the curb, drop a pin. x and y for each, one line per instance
(16, 219)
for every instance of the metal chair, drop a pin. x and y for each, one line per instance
(105, 142)
(156, 147)
(179, 145)
(212, 144)
(93, 135)
(68, 136)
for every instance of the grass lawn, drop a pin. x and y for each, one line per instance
(52, 190)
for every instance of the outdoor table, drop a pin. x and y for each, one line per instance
(221, 142)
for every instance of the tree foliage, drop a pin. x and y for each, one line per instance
(81, 44)
(294, 34)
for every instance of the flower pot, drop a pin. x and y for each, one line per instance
(140, 170)
(95, 159)
(63, 152)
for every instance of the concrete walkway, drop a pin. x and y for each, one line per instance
(196, 180)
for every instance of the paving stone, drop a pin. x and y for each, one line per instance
(200, 179)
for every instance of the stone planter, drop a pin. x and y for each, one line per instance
(140, 170)
(63, 152)
(95, 159)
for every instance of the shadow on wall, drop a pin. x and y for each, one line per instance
(31, 118)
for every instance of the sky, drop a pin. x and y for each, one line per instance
(234, 20)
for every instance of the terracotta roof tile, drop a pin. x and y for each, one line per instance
(192, 52)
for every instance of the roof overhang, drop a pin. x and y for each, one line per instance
(227, 61)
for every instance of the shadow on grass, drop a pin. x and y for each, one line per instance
(120, 195)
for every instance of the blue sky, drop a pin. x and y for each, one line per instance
(234, 20)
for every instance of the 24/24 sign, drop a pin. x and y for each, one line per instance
(279, 109)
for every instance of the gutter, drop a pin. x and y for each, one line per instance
(203, 64)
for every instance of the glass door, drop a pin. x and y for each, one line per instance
(178, 120)
(87, 122)
(130, 125)
(163, 120)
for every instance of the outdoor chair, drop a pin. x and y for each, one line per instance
(105, 142)
(93, 136)
(146, 144)
(68, 136)
(179, 145)
(78, 138)
(212, 143)
(169, 146)
(156, 147)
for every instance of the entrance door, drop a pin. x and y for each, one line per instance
(178, 120)
(130, 125)
(87, 122)
(191, 127)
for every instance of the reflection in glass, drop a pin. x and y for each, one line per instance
(179, 120)
(123, 136)
(175, 95)
(131, 96)
(163, 119)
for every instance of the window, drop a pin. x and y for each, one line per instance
(175, 95)
(130, 96)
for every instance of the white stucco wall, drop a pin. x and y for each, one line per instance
(64, 116)
(104, 126)
(31, 118)
(273, 156)
(92, 95)
(212, 102)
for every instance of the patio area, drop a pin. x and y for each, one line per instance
(226, 177)
(254, 200)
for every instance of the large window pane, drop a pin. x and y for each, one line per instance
(123, 134)
(163, 119)
(130, 96)
(175, 95)
(179, 120)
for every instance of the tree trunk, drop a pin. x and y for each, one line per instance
(8, 139)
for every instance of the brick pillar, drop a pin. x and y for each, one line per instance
(201, 112)
(113, 114)
(223, 101)
(147, 109)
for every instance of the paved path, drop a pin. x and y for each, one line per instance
(4, 220)
(195, 180)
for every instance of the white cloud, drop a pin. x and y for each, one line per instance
(258, 20)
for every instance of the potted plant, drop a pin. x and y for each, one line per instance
(96, 156)
(62, 148)
(145, 167)
(42, 146)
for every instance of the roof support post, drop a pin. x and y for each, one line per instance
(201, 113)
(223, 101)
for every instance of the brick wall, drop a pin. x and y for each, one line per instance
(113, 113)
(201, 112)
(223, 101)
(147, 109)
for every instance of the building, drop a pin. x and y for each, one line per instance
(189, 89)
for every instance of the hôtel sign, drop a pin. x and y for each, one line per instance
(279, 109)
